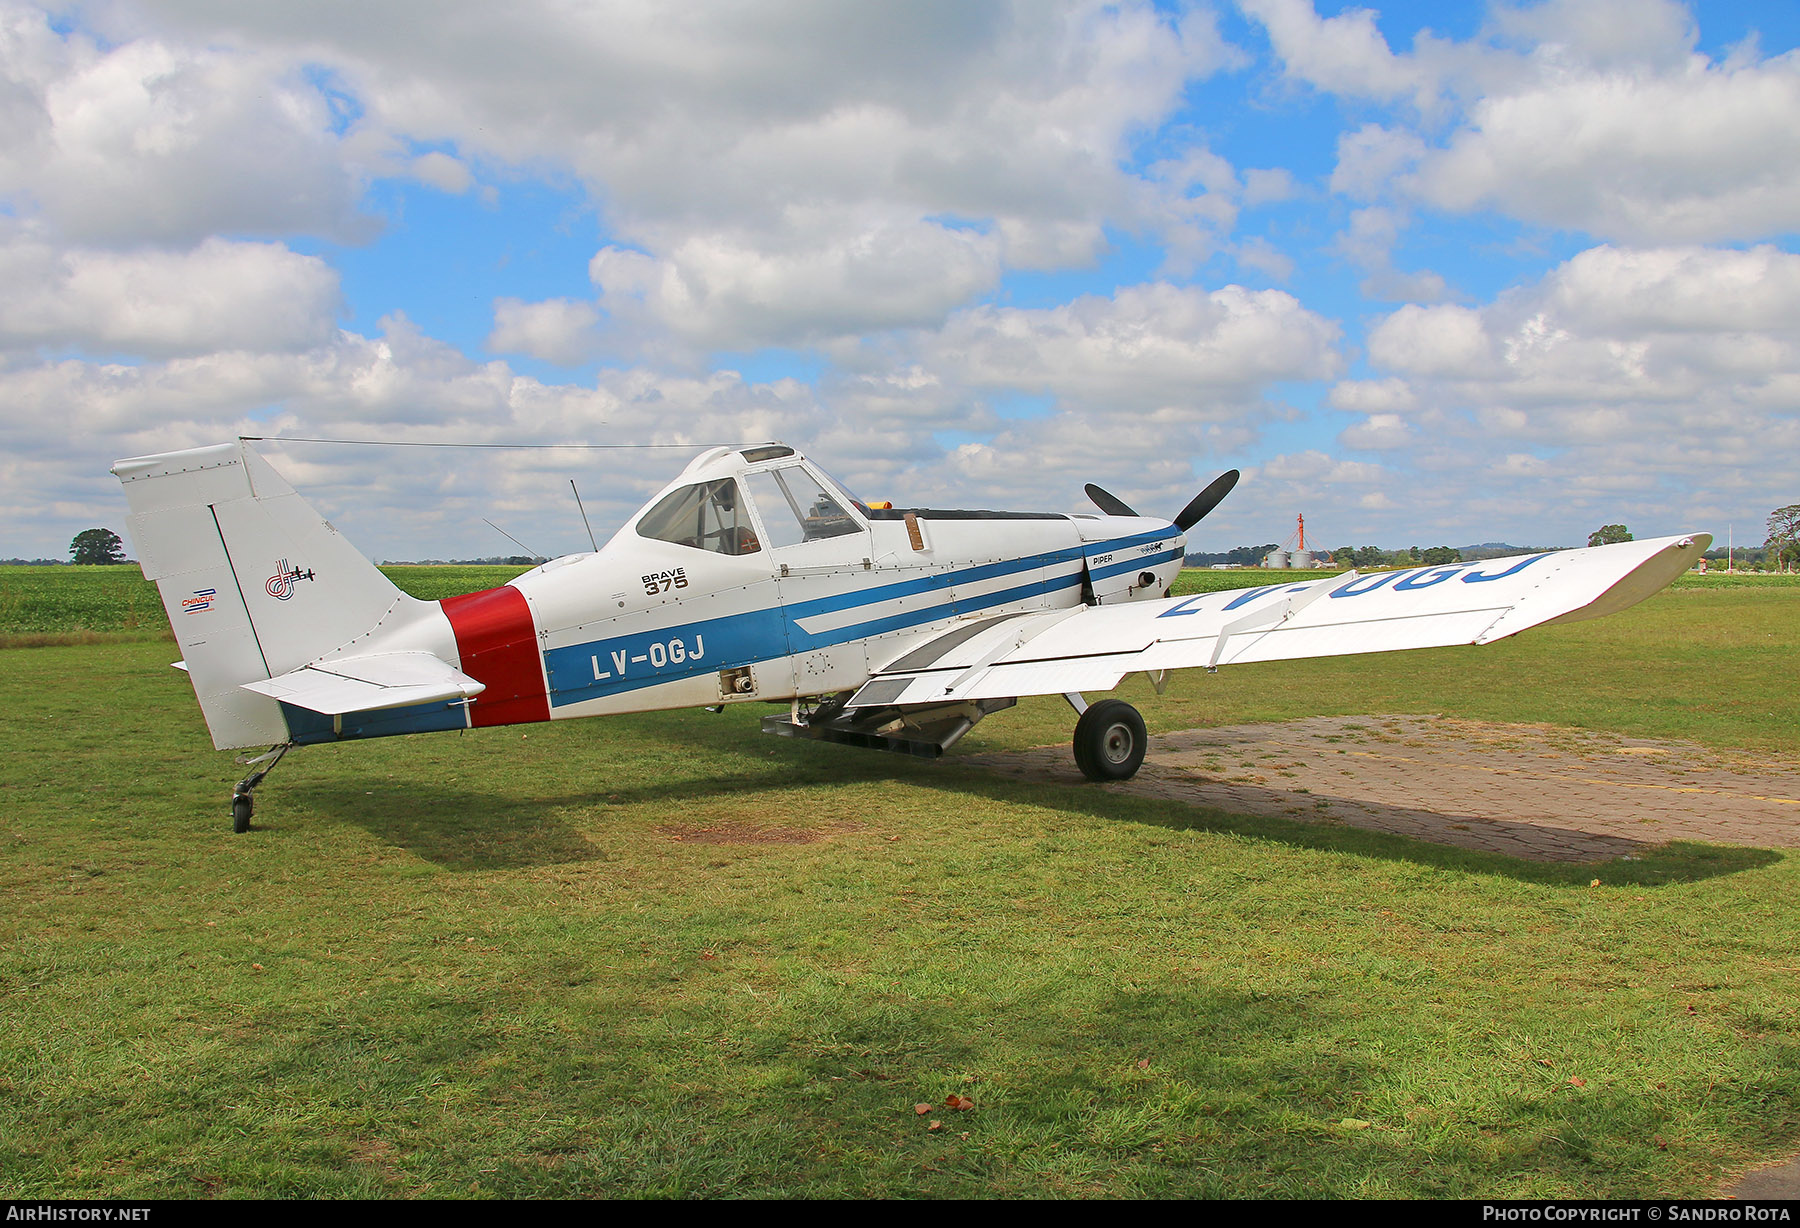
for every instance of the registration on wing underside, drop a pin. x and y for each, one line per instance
(1340, 615)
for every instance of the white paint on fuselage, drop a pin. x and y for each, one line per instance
(845, 606)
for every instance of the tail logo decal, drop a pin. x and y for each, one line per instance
(281, 584)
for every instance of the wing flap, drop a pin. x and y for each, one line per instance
(1092, 648)
(369, 684)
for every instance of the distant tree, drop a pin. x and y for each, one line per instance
(1438, 555)
(1344, 556)
(1609, 534)
(96, 546)
(1369, 556)
(1784, 535)
(1250, 556)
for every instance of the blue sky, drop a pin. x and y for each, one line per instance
(1426, 273)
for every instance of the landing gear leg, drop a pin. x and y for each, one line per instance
(242, 804)
(1109, 741)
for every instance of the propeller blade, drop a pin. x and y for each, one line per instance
(1204, 502)
(1112, 505)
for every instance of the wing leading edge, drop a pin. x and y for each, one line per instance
(1093, 648)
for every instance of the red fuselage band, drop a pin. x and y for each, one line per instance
(499, 647)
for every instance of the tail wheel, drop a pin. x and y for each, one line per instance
(1109, 741)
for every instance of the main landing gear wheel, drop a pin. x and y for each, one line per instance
(1109, 741)
(241, 809)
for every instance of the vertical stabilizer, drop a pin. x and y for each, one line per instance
(256, 583)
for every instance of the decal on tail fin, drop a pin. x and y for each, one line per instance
(256, 583)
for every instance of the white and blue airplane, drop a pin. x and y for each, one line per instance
(754, 576)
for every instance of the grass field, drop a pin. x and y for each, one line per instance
(46, 606)
(663, 955)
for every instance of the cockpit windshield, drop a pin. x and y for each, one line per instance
(837, 487)
(796, 508)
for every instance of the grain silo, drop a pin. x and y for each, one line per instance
(1301, 557)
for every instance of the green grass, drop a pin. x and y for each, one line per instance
(511, 962)
(1697, 662)
(60, 606)
(449, 580)
(45, 605)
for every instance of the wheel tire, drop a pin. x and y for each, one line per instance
(241, 806)
(1109, 741)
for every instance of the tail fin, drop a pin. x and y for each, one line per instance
(256, 583)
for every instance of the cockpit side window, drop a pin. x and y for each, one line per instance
(795, 508)
(705, 516)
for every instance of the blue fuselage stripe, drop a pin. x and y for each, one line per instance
(969, 575)
(630, 662)
(308, 727)
(800, 641)
(1140, 563)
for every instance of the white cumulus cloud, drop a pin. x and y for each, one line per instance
(1155, 347)
(1598, 116)
(157, 140)
(1441, 340)
(1656, 383)
(1702, 151)
(1345, 54)
(731, 290)
(220, 295)
(557, 330)
(787, 165)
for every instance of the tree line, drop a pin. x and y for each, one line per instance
(1781, 550)
(1364, 557)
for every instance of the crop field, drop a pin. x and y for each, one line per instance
(664, 955)
(116, 603)
(43, 606)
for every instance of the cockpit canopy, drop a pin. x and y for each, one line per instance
(794, 503)
(705, 516)
(796, 508)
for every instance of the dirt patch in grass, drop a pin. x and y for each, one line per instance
(750, 833)
(77, 639)
(1534, 791)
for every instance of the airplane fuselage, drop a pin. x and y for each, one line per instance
(755, 577)
(783, 587)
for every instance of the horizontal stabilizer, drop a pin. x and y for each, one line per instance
(255, 582)
(1091, 649)
(368, 684)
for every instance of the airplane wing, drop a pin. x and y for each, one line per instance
(370, 683)
(1090, 648)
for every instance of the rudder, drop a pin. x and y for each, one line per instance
(255, 582)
